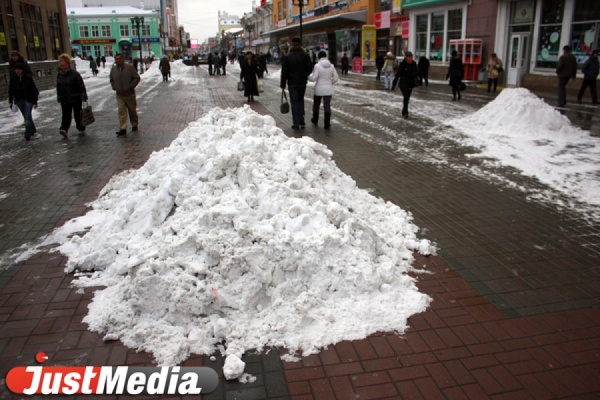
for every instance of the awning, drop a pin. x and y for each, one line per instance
(323, 23)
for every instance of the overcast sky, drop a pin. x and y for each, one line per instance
(200, 17)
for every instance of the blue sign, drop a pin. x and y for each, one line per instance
(147, 40)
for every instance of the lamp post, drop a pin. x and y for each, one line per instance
(300, 5)
(137, 21)
(250, 28)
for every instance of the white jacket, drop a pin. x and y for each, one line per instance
(325, 76)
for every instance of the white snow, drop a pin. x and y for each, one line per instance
(236, 238)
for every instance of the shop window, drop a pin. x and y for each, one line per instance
(586, 10)
(584, 39)
(432, 28)
(550, 31)
(108, 50)
(421, 34)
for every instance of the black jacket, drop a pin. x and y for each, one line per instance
(456, 71)
(591, 68)
(407, 74)
(26, 69)
(423, 64)
(248, 74)
(70, 87)
(296, 66)
(23, 88)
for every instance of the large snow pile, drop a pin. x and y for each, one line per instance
(237, 238)
(521, 130)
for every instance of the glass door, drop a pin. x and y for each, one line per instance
(518, 61)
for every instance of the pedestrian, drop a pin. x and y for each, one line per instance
(223, 61)
(296, 66)
(494, 67)
(590, 73)
(98, 62)
(93, 66)
(123, 80)
(16, 57)
(408, 75)
(23, 93)
(565, 69)
(103, 59)
(455, 74)
(262, 65)
(249, 71)
(276, 55)
(423, 66)
(379, 61)
(210, 63)
(325, 76)
(345, 64)
(136, 61)
(70, 93)
(216, 64)
(389, 69)
(165, 68)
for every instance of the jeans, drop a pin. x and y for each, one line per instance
(406, 92)
(297, 103)
(388, 79)
(68, 109)
(562, 91)
(26, 107)
(591, 83)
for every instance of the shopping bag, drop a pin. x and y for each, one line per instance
(241, 86)
(285, 106)
(87, 116)
(260, 85)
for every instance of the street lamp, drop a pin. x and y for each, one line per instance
(136, 21)
(300, 5)
(250, 28)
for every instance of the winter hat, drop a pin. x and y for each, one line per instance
(15, 52)
(454, 53)
(389, 53)
(408, 54)
(296, 39)
(322, 54)
(19, 65)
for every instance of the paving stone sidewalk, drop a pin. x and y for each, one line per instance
(507, 322)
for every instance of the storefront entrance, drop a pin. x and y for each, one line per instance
(518, 61)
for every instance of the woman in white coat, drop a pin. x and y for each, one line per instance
(325, 76)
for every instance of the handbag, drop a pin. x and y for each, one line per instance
(499, 69)
(260, 85)
(285, 106)
(87, 116)
(462, 86)
(241, 86)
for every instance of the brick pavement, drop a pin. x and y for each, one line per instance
(489, 333)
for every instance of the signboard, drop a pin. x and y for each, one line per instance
(397, 6)
(382, 19)
(406, 4)
(368, 42)
(36, 41)
(405, 29)
(146, 40)
(194, 43)
(94, 41)
(2, 39)
(357, 65)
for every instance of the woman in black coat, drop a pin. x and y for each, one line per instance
(455, 73)
(407, 74)
(23, 93)
(249, 68)
(71, 93)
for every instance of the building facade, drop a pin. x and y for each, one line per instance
(105, 31)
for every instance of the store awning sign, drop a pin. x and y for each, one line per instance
(406, 4)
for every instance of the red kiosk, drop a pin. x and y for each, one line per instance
(469, 51)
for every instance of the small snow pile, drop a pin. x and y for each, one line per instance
(237, 238)
(521, 130)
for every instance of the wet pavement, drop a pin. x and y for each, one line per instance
(516, 284)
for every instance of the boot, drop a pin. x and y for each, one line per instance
(315, 117)
(327, 120)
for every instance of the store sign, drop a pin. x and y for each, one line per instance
(523, 12)
(406, 4)
(147, 40)
(382, 19)
(369, 33)
(2, 39)
(94, 41)
(397, 6)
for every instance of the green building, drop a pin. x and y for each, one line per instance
(105, 31)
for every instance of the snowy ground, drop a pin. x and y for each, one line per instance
(247, 239)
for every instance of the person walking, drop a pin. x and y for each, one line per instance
(70, 93)
(103, 59)
(345, 63)
(408, 74)
(223, 61)
(296, 66)
(494, 66)
(16, 57)
(93, 66)
(455, 74)
(590, 73)
(23, 93)
(565, 69)
(216, 64)
(379, 61)
(423, 66)
(249, 70)
(262, 65)
(325, 76)
(165, 68)
(389, 68)
(210, 63)
(123, 80)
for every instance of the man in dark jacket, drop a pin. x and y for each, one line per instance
(565, 69)
(407, 73)
(296, 66)
(23, 93)
(123, 80)
(590, 72)
(379, 61)
(423, 66)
